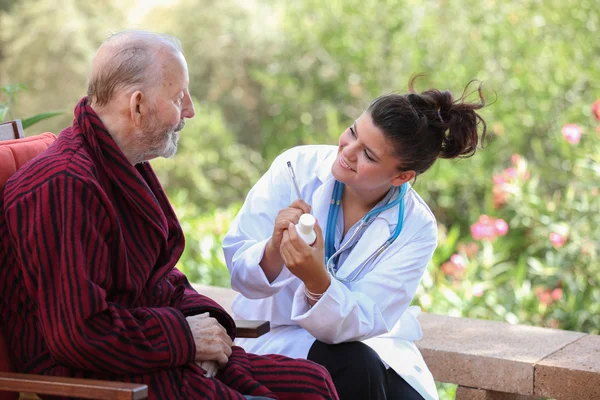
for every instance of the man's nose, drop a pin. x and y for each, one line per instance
(188, 107)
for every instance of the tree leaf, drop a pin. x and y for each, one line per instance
(27, 122)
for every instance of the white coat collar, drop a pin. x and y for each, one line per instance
(324, 174)
(375, 235)
(323, 170)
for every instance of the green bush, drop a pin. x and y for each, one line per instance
(202, 260)
(9, 92)
(278, 73)
(544, 271)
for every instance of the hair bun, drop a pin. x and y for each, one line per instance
(423, 127)
(458, 120)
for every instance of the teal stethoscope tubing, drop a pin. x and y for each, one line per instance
(330, 252)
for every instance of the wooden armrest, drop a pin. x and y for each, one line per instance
(11, 130)
(71, 387)
(251, 329)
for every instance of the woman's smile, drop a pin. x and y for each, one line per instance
(344, 164)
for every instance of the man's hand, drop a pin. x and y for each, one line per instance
(211, 339)
(211, 368)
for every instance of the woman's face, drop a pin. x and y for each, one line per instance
(366, 161)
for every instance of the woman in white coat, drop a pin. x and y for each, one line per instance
(350, 313)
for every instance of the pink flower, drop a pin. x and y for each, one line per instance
(515, 159)
(470, 250)
(455, 267)
(501, 227)
(572, 133)
(544, 296)
(450, 269)
(499, 196)
(596, 109)
(509, 176)
(481, 231)
(556, 294)
(487, 228)
(548, 296)
(511, 172)
(459, 261)
(499, 179)
(557, 239)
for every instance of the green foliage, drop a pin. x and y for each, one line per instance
(10, 92)
(48, 46)
(211, 170)
(202, 260)
(224, 43)
(27, 122)
(281, 73)
(545, 271)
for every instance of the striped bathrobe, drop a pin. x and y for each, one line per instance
(88, 288)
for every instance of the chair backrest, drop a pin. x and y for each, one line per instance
(14, 154)
(11, 130)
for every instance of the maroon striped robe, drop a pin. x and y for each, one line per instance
(88, 288)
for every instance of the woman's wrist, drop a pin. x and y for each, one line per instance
(319, 285)
(271, 262)
(271, 252)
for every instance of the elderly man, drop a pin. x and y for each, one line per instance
(88, 245)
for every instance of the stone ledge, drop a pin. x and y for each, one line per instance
(223, 296)
(467, 393)
(487, 354)
(572, 372)
(496, 357)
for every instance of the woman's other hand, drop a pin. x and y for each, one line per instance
(285, 217)
(304, 261)
(271, 262)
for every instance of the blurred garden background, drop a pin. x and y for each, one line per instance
(519, 222)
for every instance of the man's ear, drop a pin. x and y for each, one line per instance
(138, 107)
(404, 177)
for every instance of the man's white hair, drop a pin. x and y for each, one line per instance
(127, 60)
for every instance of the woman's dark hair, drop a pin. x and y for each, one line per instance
(428, 125)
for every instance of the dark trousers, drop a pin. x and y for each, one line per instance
(358, 372)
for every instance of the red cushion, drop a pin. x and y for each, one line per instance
(15, 153)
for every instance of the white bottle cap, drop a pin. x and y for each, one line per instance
(305, 228)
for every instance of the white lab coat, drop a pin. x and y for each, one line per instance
(374, 309)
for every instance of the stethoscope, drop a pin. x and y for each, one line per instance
(331, 254)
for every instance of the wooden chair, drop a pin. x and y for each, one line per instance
(11, 130)
(15, 151)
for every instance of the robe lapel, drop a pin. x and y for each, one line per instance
(126, 178)
(138, 192)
